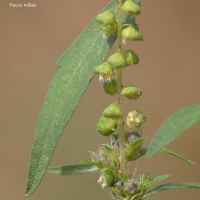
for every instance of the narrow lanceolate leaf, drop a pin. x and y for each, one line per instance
(157, 179)
(176, 155)
(178, 122)
(72, 169)
(171, 186)
(100, 164)
(65, 91)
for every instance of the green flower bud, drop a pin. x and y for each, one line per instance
(110, 87)
(130, 33)
(104, 69)
(117, 60)
(131, 92)
(112, 29)
(106, 126)
(113, 111)
(135, 119)
(106, 18)
(107, 177)
(130, 7)
(131, 57)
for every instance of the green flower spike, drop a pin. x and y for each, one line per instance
(109, 29)
(135, 119)
(106, 18)
(104, 69)
(110, 87)
(130, 7)
(131, 92)
(117, 60)
(113, 111)
(130, 33)
(107, 177)
(106, 126)
(131, 57)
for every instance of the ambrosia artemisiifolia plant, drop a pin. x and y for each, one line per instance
(116, 21)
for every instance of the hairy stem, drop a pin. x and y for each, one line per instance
(123, 160)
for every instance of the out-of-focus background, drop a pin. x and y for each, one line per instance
(31, 41)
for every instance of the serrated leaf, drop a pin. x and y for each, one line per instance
(66, 89)
(176, 155)
(178, 122)
(133, 146)
(69, 170)
(171, 186)
(99, 164)
(155, 180)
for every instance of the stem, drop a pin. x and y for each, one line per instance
(123, 160)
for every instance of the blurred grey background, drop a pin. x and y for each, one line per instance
(31, 41)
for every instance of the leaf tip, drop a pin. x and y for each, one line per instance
(27, 193)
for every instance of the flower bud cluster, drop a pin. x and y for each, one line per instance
(108, 21)
(108, 159)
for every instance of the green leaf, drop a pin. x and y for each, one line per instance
(176, 155)
(72, 169)
(116, 191)
(178, 122)
(115, 169)
(155, 180)
(171, 186)
(142, 151)
(66, 90)
(147, 176)
(99, 164)
(113, 152)
(133, 146)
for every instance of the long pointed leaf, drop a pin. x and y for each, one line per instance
(178, 122)
(143, 151)
(72, 169)
(171, 186)
(65, 91)
(100, 164)
(157, 179)
(176, 155)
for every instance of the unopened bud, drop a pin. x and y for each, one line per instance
(131, 33)
(131, 57)
(106, 126)
(117, 60)
(109, 29)
(135, 119)
(104, 69)
(110, 87)
(106, 18)
(130, 7)
(113, 111)
(131, 92)
(107, 177)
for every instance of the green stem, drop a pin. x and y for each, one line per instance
(123, 160)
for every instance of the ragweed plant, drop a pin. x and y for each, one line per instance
(116, 21)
